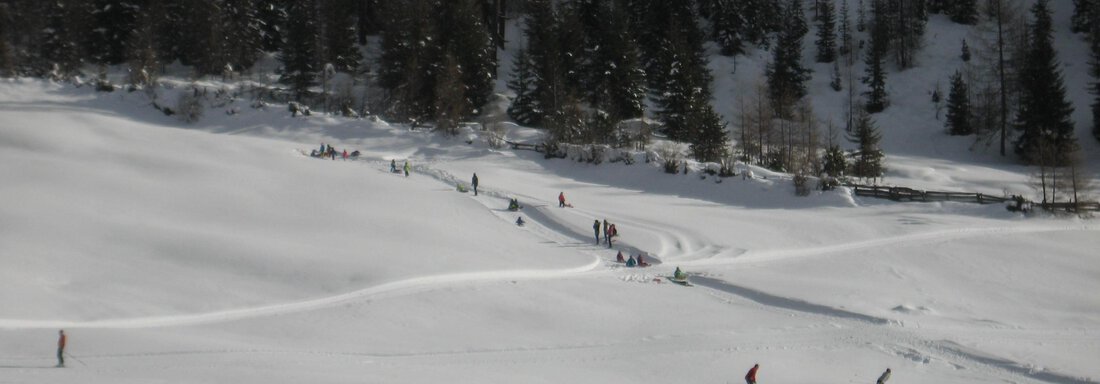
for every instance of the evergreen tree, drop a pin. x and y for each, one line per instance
(836, 82)
(826, 33)
(525, 108)
(61, 41)
(836, 161)
(299, 52)
(1044, 115)
(542, 53)
(963, 11)
(243, 33)
(337, 30)
(7, 58)
(615, 78)
(876, 73)
(711, 143)
(861, 17)
(786, 75)
(958, 107)
(845, 29)
(1084, 15)
(450, 101)
(114, 22)
(1094, 71)
(868, 156)
(272, 17)
(202, 38)
(678, 71)
(472, 50)
(965, 56)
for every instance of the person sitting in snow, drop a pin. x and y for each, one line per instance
(519, 221)
(642, 263)
(619, 257)
(630, 262)
(679, 275)
(513, 204)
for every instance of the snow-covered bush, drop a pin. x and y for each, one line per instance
(189, 107)
(669, 153)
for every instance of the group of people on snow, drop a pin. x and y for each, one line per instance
(328, 152)
(609, 232)
(393, 167)
(632, 261)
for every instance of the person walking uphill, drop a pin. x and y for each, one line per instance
(750, 378)
(406, 168)
(885, 376)
(61, 348)
(474, 182)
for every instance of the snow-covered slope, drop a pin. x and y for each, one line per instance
(218, 253)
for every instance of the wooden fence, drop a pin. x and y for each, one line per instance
(910, 194)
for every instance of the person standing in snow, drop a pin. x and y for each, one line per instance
(885, 376)
(474, 183)
(750, 378)
(406, 168)
(561, 199)
(611, 232)
(345, 154)
(596, 228)
(61, 348)
(393, 166)
(605, 230)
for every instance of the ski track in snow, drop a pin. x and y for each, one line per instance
(676, 243)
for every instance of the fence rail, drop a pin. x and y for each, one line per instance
(910, 194)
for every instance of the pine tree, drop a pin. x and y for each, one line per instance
(836, 161)
(272, 17)
(7, 58)
(1084, 15)
(524, 109)
(547, 93)
(826, 33)
(337, 30)
(845, 29)
(450, 102)
(711, 144)
(615, 75)
(677, 71)
(472, 50)
(299, 52)
(243, 34)
(963, 11)
(868, 156)
(836, 82)
(786, 75)
(114, 22)
(1094, 71)
(965, 56)
(861, 17)
(409, 60)
(1044, 115)
(61, 41)
(876, 73)
(958, 107)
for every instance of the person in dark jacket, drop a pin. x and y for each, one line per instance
(61, 348)
(885, 376)
(596, 228)
(750, 378)
(474, 183)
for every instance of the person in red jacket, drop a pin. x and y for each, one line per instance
(561, 199)
(61, 348)
(750, 378)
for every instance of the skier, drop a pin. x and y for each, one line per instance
(885, 376)
(596, 228)
(561, 199)
(474, 182)
(750, 378)
(393, 166)
(406, 168)
(61, 348)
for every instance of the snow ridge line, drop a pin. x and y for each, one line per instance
(301, 306)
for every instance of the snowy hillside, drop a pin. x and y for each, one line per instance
(219, 251)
